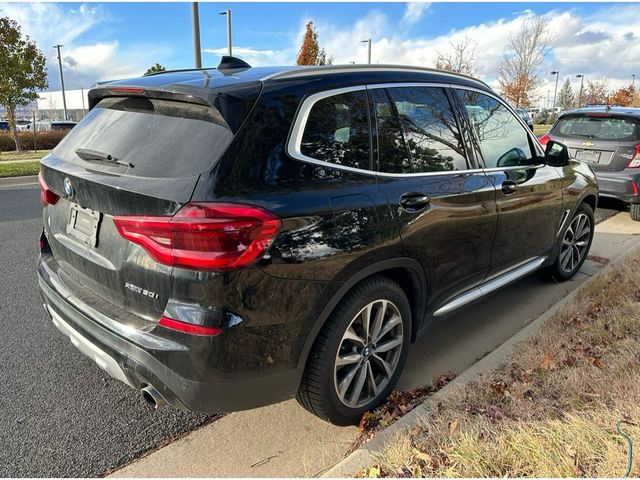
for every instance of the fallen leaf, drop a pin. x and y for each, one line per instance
(499, 388)
(548, 362)
(453, 426)
(595, 362)
(421, 456)
(374, 472)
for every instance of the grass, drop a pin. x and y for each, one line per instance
(23, 155)
(19, 169)
(541, 129)
(551, 410)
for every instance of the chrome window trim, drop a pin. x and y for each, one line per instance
(297, 131)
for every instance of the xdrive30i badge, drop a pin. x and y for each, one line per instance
(140, 290)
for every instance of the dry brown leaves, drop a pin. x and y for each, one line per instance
(397, 405)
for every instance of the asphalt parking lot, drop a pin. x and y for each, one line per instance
(61, 414)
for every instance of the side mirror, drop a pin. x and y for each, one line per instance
(556, 154)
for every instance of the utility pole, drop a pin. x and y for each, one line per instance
(581, 77)
(64, 100)
(555, 92)
(633, 81)
(227, 12)
(368, 42)
(195, 27)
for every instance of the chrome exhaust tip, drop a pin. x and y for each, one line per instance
(153, 397)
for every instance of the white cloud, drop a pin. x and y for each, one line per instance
(603, 45)
(84, 62)
(414, 13)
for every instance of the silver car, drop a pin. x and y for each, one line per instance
(608, 139)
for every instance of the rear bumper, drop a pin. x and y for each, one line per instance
(139, 366)
(620, 185)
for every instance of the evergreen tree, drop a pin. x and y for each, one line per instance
(566, 98)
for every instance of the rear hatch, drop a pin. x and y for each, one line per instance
(131, 155)
(606, 141)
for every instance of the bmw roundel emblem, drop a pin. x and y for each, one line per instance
(68, 189)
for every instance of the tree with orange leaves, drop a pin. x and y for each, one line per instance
(310, 52)
(623, 97)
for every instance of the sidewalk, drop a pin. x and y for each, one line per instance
(285, 440)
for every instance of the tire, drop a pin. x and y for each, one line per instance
(567, 265)
(634, 210)
(322, 390)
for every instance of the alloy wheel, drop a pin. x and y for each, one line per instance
(368, 354)
(575, 242)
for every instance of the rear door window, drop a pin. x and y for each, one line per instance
(430, 128)
(160, 138)
(598, 128)
(337, 130)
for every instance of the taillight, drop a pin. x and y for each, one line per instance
(544, 139)
(47, 197)
(188, 327)
(207, 236)
(635, 161)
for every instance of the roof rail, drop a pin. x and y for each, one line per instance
(304, 71)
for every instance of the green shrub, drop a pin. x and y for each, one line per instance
(44, 140)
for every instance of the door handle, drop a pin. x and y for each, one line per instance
(509, 187)
(413, 202)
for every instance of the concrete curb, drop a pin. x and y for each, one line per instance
(18, 181)
(365, 456)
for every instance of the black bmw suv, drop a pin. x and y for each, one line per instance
(221, 239)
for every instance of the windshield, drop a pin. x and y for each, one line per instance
(160, 138)
(598, 128)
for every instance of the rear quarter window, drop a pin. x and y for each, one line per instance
(598, 128)
(160, 138)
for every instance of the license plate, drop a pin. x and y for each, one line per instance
(83, 225)
(588, 156)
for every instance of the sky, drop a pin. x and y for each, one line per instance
(103, 41)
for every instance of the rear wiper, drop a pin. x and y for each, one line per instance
(96, 156)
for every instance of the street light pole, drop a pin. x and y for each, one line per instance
(368, 42)
(581, 77)
(633, 81)
(195, 27)
(64, 100)
(555, 92)
(227, 12)
(82, 95)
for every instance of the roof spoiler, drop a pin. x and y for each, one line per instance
(228, 62)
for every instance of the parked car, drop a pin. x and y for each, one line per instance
(608, 140)
(62, 125)
(526, 117)
(4, 126)
(281, 232)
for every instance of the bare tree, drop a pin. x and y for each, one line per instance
(520, 66)
(460, 58)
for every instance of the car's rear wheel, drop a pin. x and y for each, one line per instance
(575, 244)
(634, 209)
(358, 356)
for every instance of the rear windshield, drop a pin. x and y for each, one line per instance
(160, 138)
(599, 128)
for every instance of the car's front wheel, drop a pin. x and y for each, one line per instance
(358, 356)
(575, 244)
